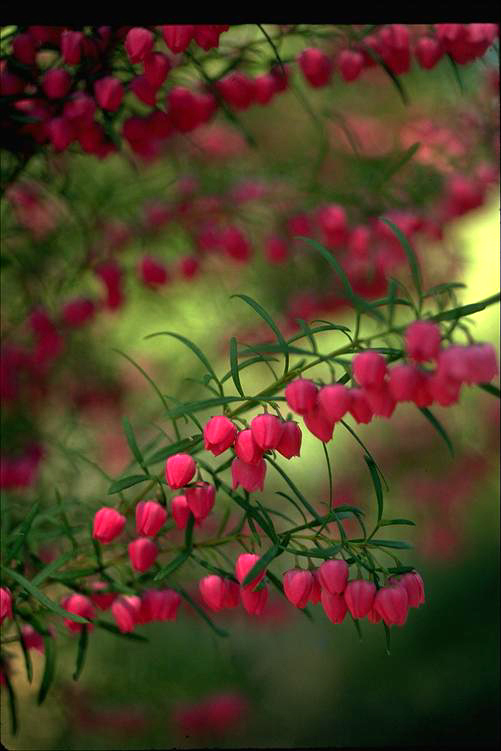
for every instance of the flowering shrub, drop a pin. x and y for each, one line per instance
(348, 259)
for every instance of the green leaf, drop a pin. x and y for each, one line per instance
(395, 79)
(271, 323)
(398, 544)
(145, 374)
(116, 631)
(261, 564)
(457, 74)
(172, 566)
(377, 486)
(401, 161)
(294, 503)
(51, 567)
(26, 653)
(39, 595)
(175, 448)
(203, 614)
(465, 310)
(83, 643)
(234, 365)
(196, 350)
(490, 388)
(251, 361)
(188, 535)
(18, 536)
(324, 553)
(294, 489)
(131, 440)
(401, 569)
(387, 634)
(126, 482)
(201, 405)
(390, 522)
(438, 427)
(49, 668)
(411, 256)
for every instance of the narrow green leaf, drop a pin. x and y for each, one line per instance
(175, 448)
(397, 544)
(203, 614)
(261, 564)
(201, 405)
(401, 569)
(358, 627)
(324, 553)
(247, 363)
(465, 310)
(145, 374)
(490, 388)
(294, 489)
(457, 74)
(126, 482)
(294, 503)
(116, 631)
(18, 536)
(41, 597)
(49, 668)
(387, 634)
(438, 427)
(271, 323)
(131, 440)
(188, 535)
(411, 256)
(234, 365)
(377, 486)
(83, 643)
(172, 566)
(401, 161)
(391, 522)
(51, 567)
(12, 703)
(196, 350)
(26, 653)
(438, 289)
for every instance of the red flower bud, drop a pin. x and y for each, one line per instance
(246, 448)
(78, 312)
(236, 244)
(290, 442)
(219, 434)
(244, 564)
(392, 604)
(395, 47)
(315, 66)
(403, 382)
(334, 225)
(71, 46)
(237, 89)
(334, 401)
(79, 110)
(5, 604)
(369, 369)
(200, 499)
(481, 363)
(359, 597)
(103, 600)
(276, 250)
(207, 36)
(177, 38)
(61, 133)
(267, 431)
(265, 87)
(32, 639)
(319, 425)
(351, 64)
(414, 586)
(428, 51)
(138, 43)
(56, 83)
(213, 589)
(360, 408)
(150, 518)
(24, 49)
(297, 586)
(422, 341)
(179, 470)
(126, 611)
(109, 93)
(301, 395)
(180, 511)
(108, 524)
(189, 266)
(152, 272)
(142, 553)
(156, 69)
(334, 606)
(159, 605)
(10, 85)
(254, 602)
(185, 109)
(78, 605)
(333, 576)
(248, 476)
(231, 594)
(145, 92)
(380, 400)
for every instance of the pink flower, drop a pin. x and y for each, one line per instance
(32, 639)
(108, 524)
(334, 606)
(335, 401)
(380, 400)
(179, 470)
(153, 273)
(56, 83)
(5, 604)
(369, 369)
(78, 312)
(78, 605)
(219, 434)
(200, 499)
(213, 589)
(290, 442)
(142, 553)
(333, 576)
(422, 341)
(246, 447)
(254, 602)
(126, 611)
(301, 395)
(248, 476)
(318, 424)
(237, 89)
(428, 51)
(315, 66)
(177, 38)
(159, 605)
(351, 64)
(156, 68)
(403, 382)
(316, 590)
(138, 43)
(359, 597)
(109, 93)
(414, 586)
(103, 600)
(236, 244)
(231, 594)
(297, 586)
(244, 564)
(150, 518)
(180, 511)
(360, 408)
(392, 604)
(71, 46)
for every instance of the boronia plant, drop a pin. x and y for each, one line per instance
(124, 567)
